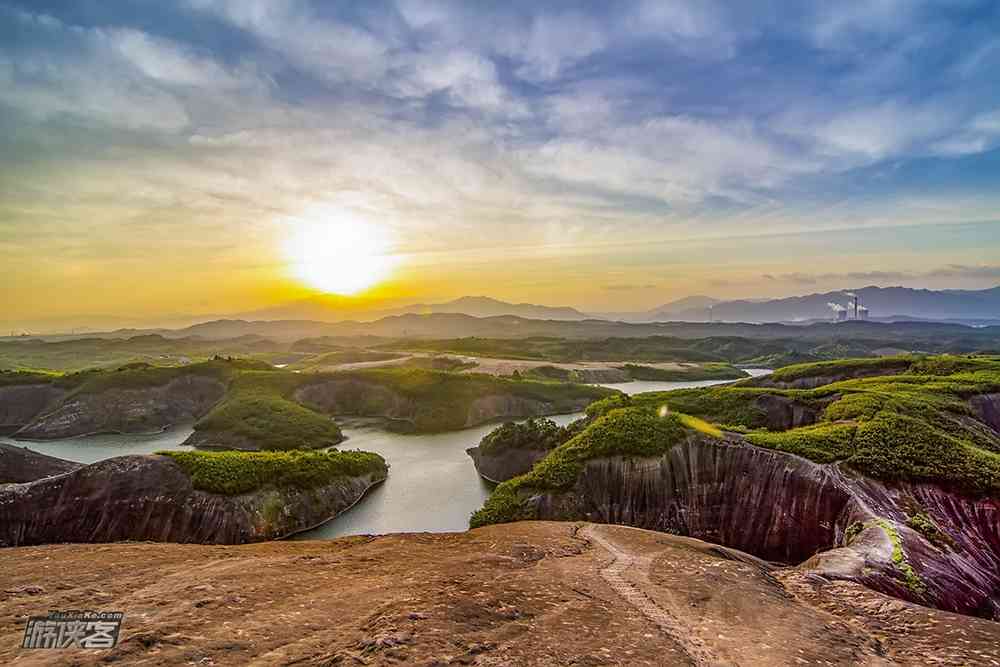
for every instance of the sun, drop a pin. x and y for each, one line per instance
(337, 251)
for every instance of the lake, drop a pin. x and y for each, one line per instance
(432, 484)
(93, 448)
(642, 386)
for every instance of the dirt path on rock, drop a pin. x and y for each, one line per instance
(628, 576)
(529, 593)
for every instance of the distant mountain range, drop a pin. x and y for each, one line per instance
(882, 303)
(337, 309)
(458, 317)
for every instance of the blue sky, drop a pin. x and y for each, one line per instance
(583, 146)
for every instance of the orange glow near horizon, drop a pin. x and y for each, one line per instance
(337, 251)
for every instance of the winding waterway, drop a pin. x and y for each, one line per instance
(93, 448)
(432, 484)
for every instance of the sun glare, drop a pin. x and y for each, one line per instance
(338, 251)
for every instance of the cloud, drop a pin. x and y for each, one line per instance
(475, 127)
(961, 271)
(331, 50)
(627, 287)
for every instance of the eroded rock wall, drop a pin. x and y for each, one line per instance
(19, 404)
(146, 410)
(365, 399)
(19, 464)
(784, 508)
(151, 498)
(507, 465)
(772, 505)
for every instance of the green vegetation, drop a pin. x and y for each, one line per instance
(621, 432)
(259, 408)
(563, 350)
(538, 434)
(823, 443)
(234, 473)
(339, 357)
(440, 363)
(853, 531)
(842, 367)
(78, 354)
(923, 524)
(445, 399)
(725, 406)
(914, 423)
(910, 577)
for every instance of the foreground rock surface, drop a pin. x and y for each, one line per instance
(782, 507)
(529, 593)
(151, 498)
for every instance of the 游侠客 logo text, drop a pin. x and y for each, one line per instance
(73, 629)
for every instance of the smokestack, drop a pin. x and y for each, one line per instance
(854, 297)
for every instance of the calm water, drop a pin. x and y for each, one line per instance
(432, 484)
(640, 386)
(92, 448)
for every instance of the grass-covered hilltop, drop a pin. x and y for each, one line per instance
(232, 473)
(883, 471)
(910, 418)
(251, 405)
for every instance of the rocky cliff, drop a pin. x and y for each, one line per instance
(152, 498)
(919, 542)
(499, 467)
(20, 464)
(126, 410)
(21, 403)
(359, 398)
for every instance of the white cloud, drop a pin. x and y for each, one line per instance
(171, 63)
(329, 49)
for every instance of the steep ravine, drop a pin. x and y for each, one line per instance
(785, 508)
(151, 498)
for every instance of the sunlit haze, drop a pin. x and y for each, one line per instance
(219, 157)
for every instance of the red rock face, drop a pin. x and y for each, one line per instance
(151, 498)
(784, 508)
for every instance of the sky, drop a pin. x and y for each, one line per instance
(205, 157)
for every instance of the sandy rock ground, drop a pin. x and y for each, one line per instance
(533, 593)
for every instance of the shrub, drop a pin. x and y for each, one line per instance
(233, 473)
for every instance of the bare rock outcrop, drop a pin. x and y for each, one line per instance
(20, 464)
(987, 409)
(21, 403)
(355, 397)
(920, 542)
(144, 410)
(152, 498)
(505, 465)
